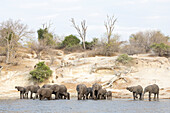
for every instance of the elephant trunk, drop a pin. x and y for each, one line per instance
(143, 94)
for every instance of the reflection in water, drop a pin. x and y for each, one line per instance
(84, 106)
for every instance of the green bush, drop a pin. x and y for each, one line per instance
(41, 72)
(70, 41)
(124, 59)
(160, 49)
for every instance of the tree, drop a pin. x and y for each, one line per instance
(41, 72)
(109, 24)
(38, 47)
(70, 41)
(161, 49)
(144, 40)
(11, 32)
(82, 31)
(45, 36)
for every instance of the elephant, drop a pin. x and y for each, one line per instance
(55, 89)
(102, 94)
(152, 89)
(44, 93)
(22, 91)
(81, 91)
(95, 88)
(63, 92)
(32, 89)
(136, 90)
(109, 95)
(89, 93)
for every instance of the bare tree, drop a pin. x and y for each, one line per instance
(144, 40)
(109, 24)
(82, 31)
(38, 48)
(10, 33)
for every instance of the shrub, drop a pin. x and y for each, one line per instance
(74, 48)
(41, 72)
(70, 41)
(124, 59)
(160, 49)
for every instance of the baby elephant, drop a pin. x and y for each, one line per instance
(152, 89)
(44, 93)
(109, 95)
(22, 91)
(102, 94)
(136, 90)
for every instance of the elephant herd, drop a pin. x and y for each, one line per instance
(95, 92)
(46, 91)
(138, 90)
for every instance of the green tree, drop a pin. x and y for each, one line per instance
(70, 41)
(161, 49)
(41, 72)
(46, 36)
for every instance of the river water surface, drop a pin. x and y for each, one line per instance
(84, 106)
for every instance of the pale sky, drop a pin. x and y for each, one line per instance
(132, 15)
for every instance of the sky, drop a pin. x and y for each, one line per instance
(132, 15)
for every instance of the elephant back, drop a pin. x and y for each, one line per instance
(81, 88)
(62, 89)
(96, 86)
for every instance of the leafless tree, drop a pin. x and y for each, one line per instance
(144, 40)
(109, 24)
(82, 31)
(10, 33)
(38, 47)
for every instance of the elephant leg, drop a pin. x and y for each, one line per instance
(56, 95)
(104, 96)
(87, 96)
(84, 97)
(149, 96)
(154, 96)
(158, 96)
(140, 96)
(94, 97)
(40, 96)
(134, 96)
(31, 96)
(43, 97)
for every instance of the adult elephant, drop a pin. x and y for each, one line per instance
(95, 90)
(63, 94)
(55, 89)
(81, 91)
(89, 93)
(32, 89)
(152, 89)
(136, 90)
(102, 94)
(22, 91)
(44, 93)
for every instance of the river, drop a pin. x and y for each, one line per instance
(84, 106)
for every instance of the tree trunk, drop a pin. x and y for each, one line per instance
(8, 53)
(84, 46)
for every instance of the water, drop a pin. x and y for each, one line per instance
(84, 106)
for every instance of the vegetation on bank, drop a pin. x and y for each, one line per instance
(41, 72)
(124, 59)
(14, 33)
